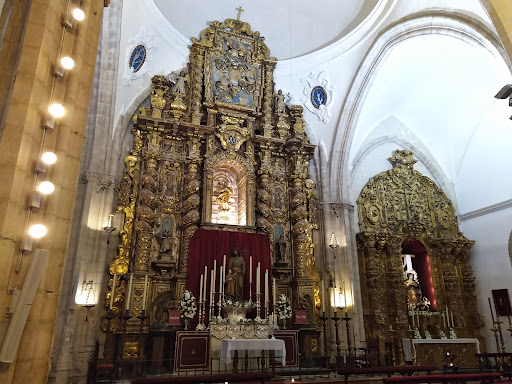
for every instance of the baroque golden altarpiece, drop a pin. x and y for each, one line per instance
(216, 148)
(403, 205)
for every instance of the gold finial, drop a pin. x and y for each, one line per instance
(240, 10)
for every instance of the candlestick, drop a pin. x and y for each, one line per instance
(145, 292)
(113, 290)
(266, 293)
(130, 284)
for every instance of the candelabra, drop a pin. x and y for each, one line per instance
(267, 305)
(339, 361)
(219, 305)
(350, 355)
(326, 350)
(202, 309)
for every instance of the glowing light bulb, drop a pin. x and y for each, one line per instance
(57, 110)
(67, 62)
(46, 187)
(37, 231)
(49, 158)
(78, 14)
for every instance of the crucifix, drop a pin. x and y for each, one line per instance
(240, 10)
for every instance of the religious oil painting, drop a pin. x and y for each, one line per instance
(502, 302)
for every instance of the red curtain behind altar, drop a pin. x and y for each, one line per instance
(209, 245)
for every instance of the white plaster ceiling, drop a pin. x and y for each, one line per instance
(441, 89)
(297, 27)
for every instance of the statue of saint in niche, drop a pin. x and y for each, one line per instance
(279, 245)
(165, 238)
(235, 276)
(223, 198)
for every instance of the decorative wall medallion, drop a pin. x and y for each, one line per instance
(139, 56)
(318, 95)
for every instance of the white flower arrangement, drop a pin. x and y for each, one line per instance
(237, 304)
(188, 306)
(283, 307)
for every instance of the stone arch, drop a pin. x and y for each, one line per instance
(423, 23)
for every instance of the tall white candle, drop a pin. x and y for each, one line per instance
(212, 286)
(250, 269)
(447, 317)
(130, 284)
(205, 278)
(201, 289)
(113, 291)
(145, 292)
(274, 291)
(214, 273)
(266, 286)
(224, 269)
(451, 315)
(221, 280)
(258, 279)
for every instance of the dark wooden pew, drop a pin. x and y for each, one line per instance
(448, 378)
(258, 377)
(402, 370)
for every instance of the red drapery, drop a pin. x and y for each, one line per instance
(209, 245)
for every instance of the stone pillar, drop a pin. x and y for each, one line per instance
(22, 136)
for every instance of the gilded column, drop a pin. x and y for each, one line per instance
(196, 81)
(145, 215)
(264, 192)
(267, 97)
(191, 198)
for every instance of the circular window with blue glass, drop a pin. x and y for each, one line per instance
(318, 96)
(137, 58)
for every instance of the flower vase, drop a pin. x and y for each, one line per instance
(284, 323)
(186, 324)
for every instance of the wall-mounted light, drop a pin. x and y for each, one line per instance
(47, 158)
(76, 15)
(86, 297)
(505, 92)
(46, 187)
(65, 63)
(109, 228)
(334, 241)
(35, 231)
(56, 111)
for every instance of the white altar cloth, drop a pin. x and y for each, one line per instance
(410, 354)
(276, 345)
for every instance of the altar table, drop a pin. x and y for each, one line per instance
(275, 345)
(433, 351)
